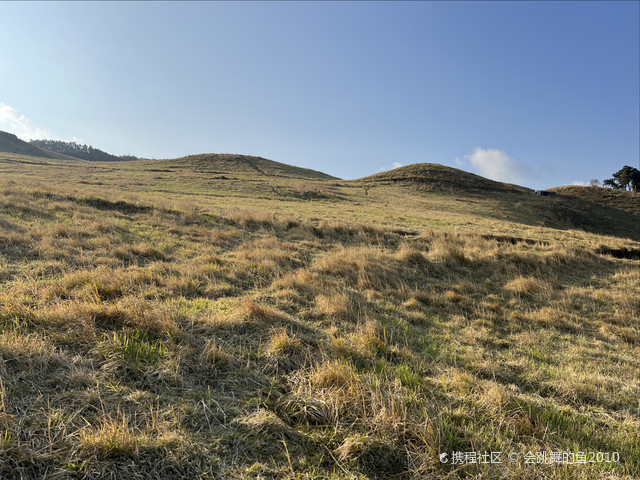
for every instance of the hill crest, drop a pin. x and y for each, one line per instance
(235, 163)
(433, 176)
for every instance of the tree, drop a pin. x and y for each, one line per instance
(627, 178)
(594, 182)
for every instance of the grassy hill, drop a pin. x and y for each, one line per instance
(75, 150)
(622, 200)
(432, 176)
(484, 197)
(9, 143)
(223, 182)
(216, 163)
(202, 318)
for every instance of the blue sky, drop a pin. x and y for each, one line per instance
(537, 93)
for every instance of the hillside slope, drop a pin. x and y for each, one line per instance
(73, 149)
(217, 182)
(622, 200)
(482, 197)
(433, 176)
(149, 341)
(216, 163)
(9, 143)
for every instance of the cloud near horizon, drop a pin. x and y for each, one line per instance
(497, 165)
(384, 168)
(13, 122)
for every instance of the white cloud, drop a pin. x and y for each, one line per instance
(578, 182)
(497, 165)
(13, 122)
(385, 168)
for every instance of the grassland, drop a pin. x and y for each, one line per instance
(623, 200)
(201, 318)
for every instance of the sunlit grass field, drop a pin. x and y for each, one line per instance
(280, 325)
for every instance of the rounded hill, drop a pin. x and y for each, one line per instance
(433, 176)
(229, 163)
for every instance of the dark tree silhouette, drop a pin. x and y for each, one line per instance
(627, 178)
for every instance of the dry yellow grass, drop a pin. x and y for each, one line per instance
(141, 340)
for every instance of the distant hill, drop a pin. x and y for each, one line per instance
(622, 200)
(9, 143)
(73, 149)
(520, 204)
(130, 158)
(432, 176)
(216, 163)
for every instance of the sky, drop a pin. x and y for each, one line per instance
(535, 93)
